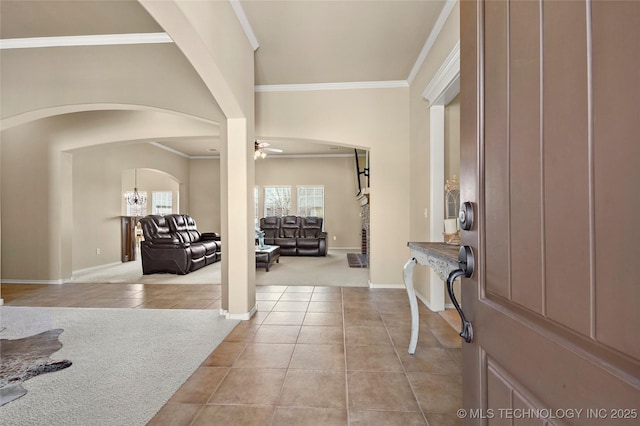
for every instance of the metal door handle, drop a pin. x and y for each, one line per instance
(466, 265)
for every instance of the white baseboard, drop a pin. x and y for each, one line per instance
(242, 317)
(59, 281)
(373, 285)
(93, 268)
(426, 302)
(12, 281)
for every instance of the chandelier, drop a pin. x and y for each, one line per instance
(135, 198)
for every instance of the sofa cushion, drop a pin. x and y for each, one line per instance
(290, 232)
(184, 226)
(197, 251)
(290, 227)
(270, 225)
(308, 243)
(210, 247)
(311, 227)
(285, 242)
(154, 226)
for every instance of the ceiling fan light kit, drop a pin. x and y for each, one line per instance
(260, 149)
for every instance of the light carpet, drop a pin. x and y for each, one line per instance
(329, 270)
(127, 363)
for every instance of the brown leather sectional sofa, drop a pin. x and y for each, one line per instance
(296, 236)
(173, 244)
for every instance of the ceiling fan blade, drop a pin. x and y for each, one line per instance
(272, 149)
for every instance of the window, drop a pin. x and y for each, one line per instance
(277, 200)
(311, 201)
(162, 202)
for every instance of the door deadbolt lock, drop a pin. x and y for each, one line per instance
(466, 215)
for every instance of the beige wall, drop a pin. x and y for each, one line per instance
(419, 145)
(337, 175)
(97, 194)
(156, 76)
(25, 206)
(205, 203)
(376, 119)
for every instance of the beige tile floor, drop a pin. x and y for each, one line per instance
(310, 355)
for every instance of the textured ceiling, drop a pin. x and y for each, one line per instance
(338, 41)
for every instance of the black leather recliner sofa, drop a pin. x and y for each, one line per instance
(296, 236)
(173, 244)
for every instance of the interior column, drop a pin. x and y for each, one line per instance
(238, 255)
(436, 191)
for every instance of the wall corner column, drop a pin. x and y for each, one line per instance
(238, 255)
(436, 195)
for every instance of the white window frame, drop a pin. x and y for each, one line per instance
(285, 210)
(299, 204)
(167, 196)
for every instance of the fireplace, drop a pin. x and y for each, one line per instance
(364, 221)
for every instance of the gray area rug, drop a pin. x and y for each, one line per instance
(357, 260)
(127, 363)
(330, 270)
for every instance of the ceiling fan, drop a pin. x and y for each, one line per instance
(262, 148)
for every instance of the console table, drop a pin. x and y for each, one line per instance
(443, 258)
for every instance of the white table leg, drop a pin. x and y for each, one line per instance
(413, 303)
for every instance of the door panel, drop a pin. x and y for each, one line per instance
(566, 165)
(616, 150)
(496, 128)
(550, 154)
(507, 394)
(525, 154)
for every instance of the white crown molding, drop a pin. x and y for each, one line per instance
(274, 156)
(442, 19)
(391, 84)
(85, 40)
(166, 148)
(244, 23)
(268, 157)
(445, 84)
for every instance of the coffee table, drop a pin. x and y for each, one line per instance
(267, 256)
